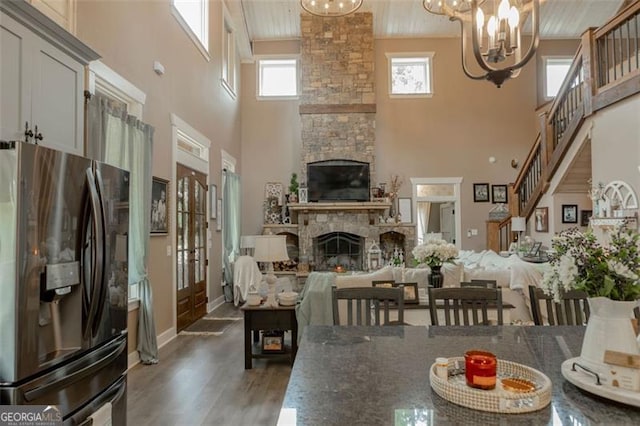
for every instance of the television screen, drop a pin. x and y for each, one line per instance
(338, 180)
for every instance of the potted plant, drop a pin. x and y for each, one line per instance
(293, 188)
(610, 276)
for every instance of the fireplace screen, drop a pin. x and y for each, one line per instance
(338, 251)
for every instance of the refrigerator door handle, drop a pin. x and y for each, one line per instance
(98, 251)
(101, 291)
(68, 380)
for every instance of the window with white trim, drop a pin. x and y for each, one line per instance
(410, 74)
(193, 16)
(555, 71)
(228, 55)
(278, 78)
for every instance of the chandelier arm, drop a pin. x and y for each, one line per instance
(474, 39)
(533, 46)
(464, 50)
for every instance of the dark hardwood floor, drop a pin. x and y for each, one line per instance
(201, 380)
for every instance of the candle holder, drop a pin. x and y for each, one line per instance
(480, 369)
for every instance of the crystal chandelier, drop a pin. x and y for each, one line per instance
(496, 41)
(330, 7)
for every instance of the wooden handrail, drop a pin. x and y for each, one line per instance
(593, 82)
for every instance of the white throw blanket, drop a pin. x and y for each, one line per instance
(246, 277)
(316, 301)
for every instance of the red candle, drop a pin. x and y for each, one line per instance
(480, 369)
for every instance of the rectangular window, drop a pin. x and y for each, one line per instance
(228, 57)
(193, 16)
(555, 70)
(277, 78)
(410, 75)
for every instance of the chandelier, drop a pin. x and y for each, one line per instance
(330, 7)
(496, 41)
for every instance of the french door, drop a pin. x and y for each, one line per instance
(191, 230)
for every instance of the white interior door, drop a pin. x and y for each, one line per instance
(448, 222)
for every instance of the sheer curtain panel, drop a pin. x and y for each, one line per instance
(123, 141)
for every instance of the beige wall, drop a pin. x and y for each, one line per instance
(451, 134)
(130, 36)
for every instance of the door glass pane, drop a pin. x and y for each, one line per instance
(180, 270)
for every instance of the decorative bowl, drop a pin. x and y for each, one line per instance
(254, 299)
(288, 298)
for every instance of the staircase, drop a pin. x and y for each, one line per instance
(605, 70)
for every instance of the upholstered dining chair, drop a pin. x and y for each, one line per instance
(366, 304)
(465, 306)
(480, 283)
(572, 310)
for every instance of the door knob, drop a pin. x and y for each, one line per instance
(38, 136)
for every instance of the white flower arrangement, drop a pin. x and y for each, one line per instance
(434, 252)
(581, 262)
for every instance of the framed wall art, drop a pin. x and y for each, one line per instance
(404, 208)
(159, 218)
(542, 219)
(498, 194)
(585, 216)
(569, 213)
(481, 192)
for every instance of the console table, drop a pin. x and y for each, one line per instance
(268, 317)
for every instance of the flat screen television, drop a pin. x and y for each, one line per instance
(338, 180)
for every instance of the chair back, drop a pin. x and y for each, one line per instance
(572, 310)
(465, 306)
(366, 304)
(480, 283)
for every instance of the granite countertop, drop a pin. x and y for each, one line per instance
(380, 376)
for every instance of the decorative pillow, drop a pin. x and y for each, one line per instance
(453, 273)
(412, 275)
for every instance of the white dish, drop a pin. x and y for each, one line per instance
(587, 382)
(287, 302)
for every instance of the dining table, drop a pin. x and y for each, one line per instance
(367, 375)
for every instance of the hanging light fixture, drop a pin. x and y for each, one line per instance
(330, 7)
(498, 34)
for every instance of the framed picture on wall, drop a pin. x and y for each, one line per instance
(404, 208)
(480, 192)
(498, 194)
(569, 213)
(159, 218)
(542, 219)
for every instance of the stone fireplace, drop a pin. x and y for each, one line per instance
(337, 112)
(339, 251)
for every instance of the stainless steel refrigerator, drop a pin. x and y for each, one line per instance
(64, 222)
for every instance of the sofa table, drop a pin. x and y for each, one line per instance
(268, 317)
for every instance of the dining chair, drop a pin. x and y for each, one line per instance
(572, 310)
(480, 283)
(465, 306)
(366, 304)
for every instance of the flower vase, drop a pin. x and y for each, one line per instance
(609, 329)
(435, 277)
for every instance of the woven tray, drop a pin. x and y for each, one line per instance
(497, 400)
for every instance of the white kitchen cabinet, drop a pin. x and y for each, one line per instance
(62, 12)
(41, 80)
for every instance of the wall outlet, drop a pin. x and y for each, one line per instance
(474, 232)
(469, 233)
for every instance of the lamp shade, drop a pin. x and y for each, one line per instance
(247, 241)
(518, 224)
(270, 248)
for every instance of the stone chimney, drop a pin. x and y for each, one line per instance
(337, 105)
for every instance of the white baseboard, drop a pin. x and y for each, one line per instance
(218, 301)
(133, 358)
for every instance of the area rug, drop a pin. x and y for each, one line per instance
(208, 326)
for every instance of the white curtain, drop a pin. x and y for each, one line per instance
(424, 208)
(123, 141)
(230, 223)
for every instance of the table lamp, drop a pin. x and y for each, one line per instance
(269, 249)
(518, 224)
(247, 244)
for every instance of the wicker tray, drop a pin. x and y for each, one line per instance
(497, 400)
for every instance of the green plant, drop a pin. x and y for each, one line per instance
(293, 184)
(581, 262)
